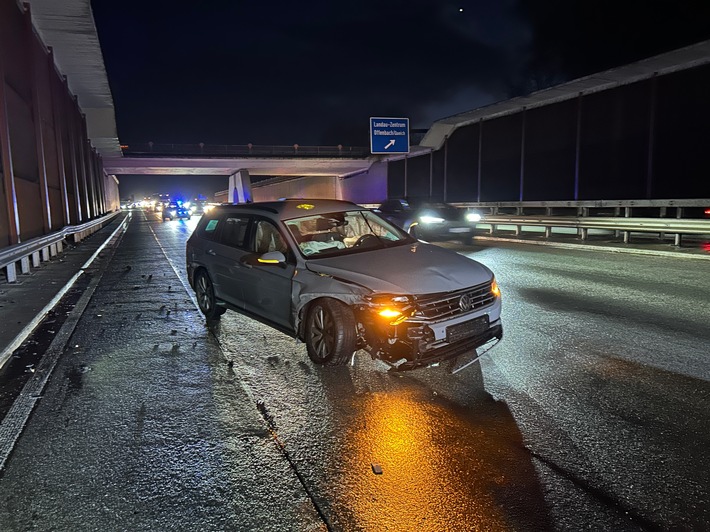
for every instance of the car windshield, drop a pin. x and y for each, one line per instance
(339, 233)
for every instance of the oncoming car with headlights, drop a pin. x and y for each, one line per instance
(342, 279)
(431, 221)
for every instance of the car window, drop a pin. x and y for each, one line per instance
(234, 231)
(208, 228)
(267, 238)
(395, 205)
(343, 232)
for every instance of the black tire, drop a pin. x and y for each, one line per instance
(330, 332)
(205, 297)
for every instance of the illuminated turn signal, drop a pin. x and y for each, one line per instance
(268, 261)
(395, 315)
(495, 290)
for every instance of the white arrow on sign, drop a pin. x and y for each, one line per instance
(390, 144)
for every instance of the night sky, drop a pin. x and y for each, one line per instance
(313, 72)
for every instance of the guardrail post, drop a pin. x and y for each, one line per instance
(25, 265)
(494, 212)
(518, 228)
(678, 238)
(548, 229)
(583, 232)
(662, 214)
(45, 254)
(35, 259)
(627, 234)
(11, 273)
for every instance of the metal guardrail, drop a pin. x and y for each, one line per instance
(42, 248)
(248, 150)
(590, 204)
(677, 227)
(595, 215)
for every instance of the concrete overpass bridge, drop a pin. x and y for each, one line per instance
(324, 164)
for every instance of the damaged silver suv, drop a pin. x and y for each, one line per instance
(342, 279)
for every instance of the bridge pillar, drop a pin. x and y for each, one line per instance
(240, 187)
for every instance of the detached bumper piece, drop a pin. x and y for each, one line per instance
(451, 351)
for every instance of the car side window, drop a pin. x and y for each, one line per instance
(234, 231)
(267, 238)
(208, 230)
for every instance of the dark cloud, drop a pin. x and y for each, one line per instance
(314, 72)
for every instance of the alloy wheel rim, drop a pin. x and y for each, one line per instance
(322, 333)
(204, 297)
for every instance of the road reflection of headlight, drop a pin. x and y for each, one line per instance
(436, 470)
(431, 220)
(473, 217)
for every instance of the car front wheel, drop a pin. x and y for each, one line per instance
(414, 231)
(205, 297)
(330, 333)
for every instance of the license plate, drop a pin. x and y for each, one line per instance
(469, 328)
(460, 230)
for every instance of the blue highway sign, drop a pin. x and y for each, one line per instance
(389, 135)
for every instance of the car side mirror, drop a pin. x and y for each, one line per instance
(272, 257)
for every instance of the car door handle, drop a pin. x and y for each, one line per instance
(211, 252)
(243, 262)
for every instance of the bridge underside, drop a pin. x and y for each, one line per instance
(255, 166)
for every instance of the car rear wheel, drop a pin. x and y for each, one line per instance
(205, 297)
(330, 333)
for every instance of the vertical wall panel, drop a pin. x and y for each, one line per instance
(45, 87)
(462, 164)
(40, 107)
(550, 146)
(500, 158)
(29, 208)
(70, 158)
(22, 135)
(437, 178)
(63, 217)
(614, 143)
(682, 159)
(418, 177)
(395, 179)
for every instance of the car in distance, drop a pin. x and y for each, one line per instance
(341, 278)
(176, 210)
(431, 221)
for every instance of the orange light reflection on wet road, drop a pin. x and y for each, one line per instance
(438, 470)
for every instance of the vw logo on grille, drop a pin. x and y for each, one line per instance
(465, 303)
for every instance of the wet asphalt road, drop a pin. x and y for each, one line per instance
(591, 413)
